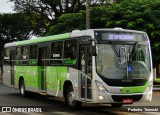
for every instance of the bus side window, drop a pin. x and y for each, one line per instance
(56, 53)
(33, 55)
(24, 55)
(18, 53)
(70, 52)
(7, 56)
(18, 56)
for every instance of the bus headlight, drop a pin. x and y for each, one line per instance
(149, 87)
(100, 86)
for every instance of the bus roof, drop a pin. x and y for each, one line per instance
(44, 39)
(74, 33)
(39, 40)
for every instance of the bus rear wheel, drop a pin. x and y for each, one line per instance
(22, 88)
(69, 99)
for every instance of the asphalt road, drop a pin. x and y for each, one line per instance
(10, 97)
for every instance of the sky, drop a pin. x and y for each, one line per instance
(6, 6)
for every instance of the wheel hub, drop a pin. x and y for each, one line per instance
(71, 97)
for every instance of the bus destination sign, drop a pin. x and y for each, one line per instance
(120, 36)
(127, 37)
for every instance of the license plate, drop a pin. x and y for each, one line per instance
(127, 100)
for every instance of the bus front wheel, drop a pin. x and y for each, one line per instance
(69, 99)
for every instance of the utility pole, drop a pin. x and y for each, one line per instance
(87, 15)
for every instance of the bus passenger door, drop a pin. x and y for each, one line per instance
(42, 63)
(85, 66)
(12, 62)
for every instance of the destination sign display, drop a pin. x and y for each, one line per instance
(129, 37)
(120, 36)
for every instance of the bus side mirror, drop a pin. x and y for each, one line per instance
(94, 50)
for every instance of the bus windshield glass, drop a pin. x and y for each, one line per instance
(120, 60)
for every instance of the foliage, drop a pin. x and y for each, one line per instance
(51, 10)
(77, 21)
(139, 15)
(129, 14)
(17, 27)
(68, 22)
(59, 16)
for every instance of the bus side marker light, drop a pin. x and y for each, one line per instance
(100, 97)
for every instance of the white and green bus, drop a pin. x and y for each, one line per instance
(99, 66)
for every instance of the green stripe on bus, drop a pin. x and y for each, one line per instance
(137, 89)
(44, 39)
(29, 73)
(55, 76)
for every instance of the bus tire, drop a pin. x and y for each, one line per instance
(22, 89)
(117, 104)
(69, 99)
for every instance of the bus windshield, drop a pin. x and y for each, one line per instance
(123, 60)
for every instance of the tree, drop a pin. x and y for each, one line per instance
(68, 22)
(51, 10)
(76, 21)
(139, 15)
(16, 27)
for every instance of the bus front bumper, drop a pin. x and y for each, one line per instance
(108, 98)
